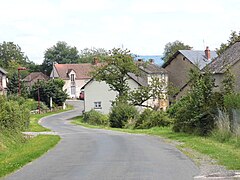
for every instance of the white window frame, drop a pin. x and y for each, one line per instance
(72, 77)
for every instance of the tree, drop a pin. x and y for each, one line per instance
(228, 83)
(87, 55)
(232, 39)
(153, 91)
(171, 48)
(51, 88)
(60, 53)
(115, 71)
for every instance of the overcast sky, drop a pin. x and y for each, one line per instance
(143, 26)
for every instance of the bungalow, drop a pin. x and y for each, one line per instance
(74, 75)
(3, 81)
(229, 59)
(179, 65)
(99, 96)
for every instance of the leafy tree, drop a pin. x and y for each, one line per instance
(171, 48)
(232, 39)
(228, 83)
(60, 53)
(87, 55)
(153, 91)
(115, 71)
(51, 88)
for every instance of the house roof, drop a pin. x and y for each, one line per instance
(227, 59)
(196, 57)
(3, 71)
(152, 68)
(35, 75)
(82, 70)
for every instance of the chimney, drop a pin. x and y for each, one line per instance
(151, 61)
(140, 60)
(207, 53)
(95, 61)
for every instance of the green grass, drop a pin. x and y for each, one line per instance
(227, 154)
(18, 154)
(34, 118)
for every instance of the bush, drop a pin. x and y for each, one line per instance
(95, 118)
(232, 101)
(121, 114)
(150, 118)
(13, 115)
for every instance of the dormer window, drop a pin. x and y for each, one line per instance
(72, 77)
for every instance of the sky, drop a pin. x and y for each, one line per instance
(142, 26)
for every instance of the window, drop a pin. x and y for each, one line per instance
(73, 90)
(72, 78)
(98, 105)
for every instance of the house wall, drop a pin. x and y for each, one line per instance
(235, 69)
(78, 85)
(3, 83)
(100, 92)
(218, 81)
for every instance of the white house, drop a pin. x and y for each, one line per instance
(3, 81)
(98, 96)
(74, 75)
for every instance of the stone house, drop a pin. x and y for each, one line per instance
(229, 59)
(3, 81)
(178, 68)
(98, 96)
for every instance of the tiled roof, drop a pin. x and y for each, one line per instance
(151, 68)
(82, 70)
(35, 75)
(196, 57)
(226, 59)
(140, 80)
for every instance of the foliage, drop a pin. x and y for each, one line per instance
(95, 118)
(171, 48)
(51, 88)
(61, 53)
(121, 113)
(155, 90)
(195, 113)
(87, 55)
(150, 118)
(232, 101)
(13, 115)
(228, 83)
(232, 39)
(118, 64)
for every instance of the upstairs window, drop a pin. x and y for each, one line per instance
(98, 105)
(72, 77)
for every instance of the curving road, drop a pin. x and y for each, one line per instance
(95, 154)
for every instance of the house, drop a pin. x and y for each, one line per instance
(179, 65)
(3, 81)
(34, 77)
(74, 75)
(229, 59)
(98, 96)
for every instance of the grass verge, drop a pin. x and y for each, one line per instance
(226, 154)
(34, 118)
(18, 154)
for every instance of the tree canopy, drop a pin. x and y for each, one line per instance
(118, 64)
(87, 55)
(61, 53)
(172, 47)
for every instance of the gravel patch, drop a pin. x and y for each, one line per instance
(39, 133)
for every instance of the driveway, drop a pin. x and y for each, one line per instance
(96, 154)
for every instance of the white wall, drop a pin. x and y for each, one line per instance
(78, 84)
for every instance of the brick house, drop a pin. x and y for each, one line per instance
(3, 81)
(34, 77)
(179, 65)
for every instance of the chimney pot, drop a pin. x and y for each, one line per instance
(207, 53)
(151, 61)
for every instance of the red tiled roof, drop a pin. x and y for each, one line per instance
(35, 75)
(83, 71)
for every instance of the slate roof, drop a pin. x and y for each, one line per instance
(196, 57)
(3, 71)
(152, 68)
(82, 70)
(227, 59)
(35, 75)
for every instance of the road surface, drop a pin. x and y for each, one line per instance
(95, 154)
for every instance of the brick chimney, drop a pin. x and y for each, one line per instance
(95, 61)
(207, 53)
(151, 61)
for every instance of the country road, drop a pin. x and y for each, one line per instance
(96, 154)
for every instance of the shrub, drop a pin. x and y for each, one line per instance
(121, 114)
(232, 101)
(95, 118)
(150, 118)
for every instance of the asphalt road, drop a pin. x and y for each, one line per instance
(95, 154)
